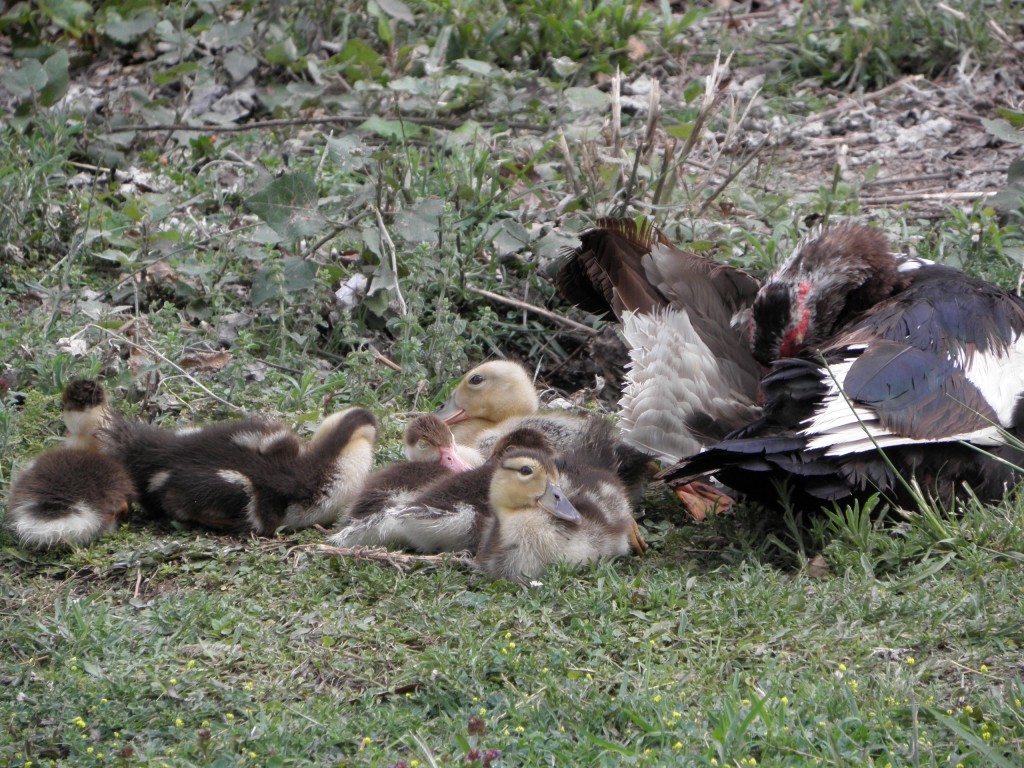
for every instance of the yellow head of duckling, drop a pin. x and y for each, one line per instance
(488, 395)
(527, 480)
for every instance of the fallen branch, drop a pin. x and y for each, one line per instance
(289, 122)
(402, 561)
(536, 310)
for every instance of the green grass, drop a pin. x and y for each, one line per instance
(128, 252)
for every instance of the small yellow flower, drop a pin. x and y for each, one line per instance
(179, 722)
(842, 667)
(984, 668)
(677, 745)
(414, 763)
(88, 750)
(589, 677)
(745, 702)
(545, 669)
(79, 722)
(229, 716)
(248, 685)
(785, 701)
(910, 661)
(676, 715)
(520, 729)
(104, 701)
(476, 699)
(968, 709)
(656, 698)
(511, 645)
(482, 711)
(714, 761)
(508, 635)
(191, 664)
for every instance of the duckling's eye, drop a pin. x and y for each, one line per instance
(526, 471)
(421, 445)
(476, 379)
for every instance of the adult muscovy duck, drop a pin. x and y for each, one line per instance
(692, 378)
(906, 371)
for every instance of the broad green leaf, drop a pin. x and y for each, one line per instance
(26, 81)
(396, 9)
(282, 53)
(124, 32)
(358, 61)
(390, 129)
(239, 64)
(67, 14)
(474, 66)
(56, 68)
(1014, 118)
(680, 131)
(298, 275)
(289, 205)
(420, 224)
(587, 99)
(1003, 130)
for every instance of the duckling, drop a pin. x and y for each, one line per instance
(68, 496)
(71, 494)
(248, 475)
(428, 439)
(535, 524)
(431, 452)
(445, 516)
(488, 395)
(497, 397)
(86, 410)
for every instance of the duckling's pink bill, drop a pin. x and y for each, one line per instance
(555, 503)
(450, 458)
(450, 413)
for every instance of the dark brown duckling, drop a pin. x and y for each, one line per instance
(432, 454)
(72, 494)
(250, 475)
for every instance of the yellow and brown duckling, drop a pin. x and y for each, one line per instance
(487, 396)
(534, 523)
(250, 475)
(497, 398)
(72, 494)
(446, 515)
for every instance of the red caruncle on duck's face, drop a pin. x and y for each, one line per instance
(779, 321)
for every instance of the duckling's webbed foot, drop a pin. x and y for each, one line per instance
(702, 499)
(637, 541)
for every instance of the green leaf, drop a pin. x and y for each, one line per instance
(474, 66)
(1016, 119)
(298, 275)
(396, 9)
(1003, 130)
(289, 205)
(390, 129)
(680, 131)
(25, 81)
(239, 64)
(56, 68)
(125, 32)
(358, 61)
(587, 99)
(283, 53)
(67, 14)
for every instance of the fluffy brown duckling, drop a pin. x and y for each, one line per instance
(431, 452)
(428, 439)
(446, 515)
(71, 494)
(534, 523)
(68, 496)
(250, 475)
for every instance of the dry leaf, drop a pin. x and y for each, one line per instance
(206, 361)
(817, 568)
(636, 49)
